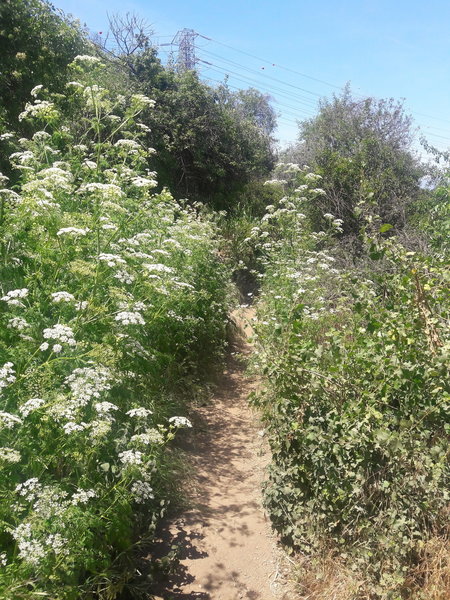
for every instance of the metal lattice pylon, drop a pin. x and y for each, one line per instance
(185, 40)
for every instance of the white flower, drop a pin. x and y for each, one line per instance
(139, 412)
(41, 136)
(35, 91)
(75, 84)
(103, 408)
(82, 496)
(61, 333)
(12, 297)
(62, 297)
(312, 177)
(180, 422)
(31, 551)
(17, 323)
(142, 491)
(30, 405)
(150, 436)
(58, 544)
(144, 182)
(86, 384)
(130, 318)
(57, 348)
(70, 427)
(112, 260)
(87, 59)
(158, 267)
(82, 305)
(130, 457)
(72, 231)
(44, 346)
(9, 455)
(109, 191)
(128, 144)
(29, 489)
(40, 108)
(124, 277)
(90, 164)
(3, 559)
(99, 430)
(8, 420)
(143, 100)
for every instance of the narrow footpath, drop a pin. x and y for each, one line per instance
(226, 548)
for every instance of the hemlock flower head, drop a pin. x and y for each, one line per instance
(62, 297)
(70, 427)
(128, 144)
(142, 491)
(30, 405)
(103, 408)
(139, 412)
(150, 436)
(86, 59)
(18, 323)
(12, 297)
(8, 421)
(131, 457)
(124, 277)
(112, 260)
(61, 333)
(72, 231)
(29, 489)
(9, 455)
(35, 91)
(157, 267)
(180, 422)
(83, 496)
(130, 318)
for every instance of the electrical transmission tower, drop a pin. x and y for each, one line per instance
(185, 40)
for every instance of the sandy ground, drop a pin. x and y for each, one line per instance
(226, 548)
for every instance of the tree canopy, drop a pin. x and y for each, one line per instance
(363, 151)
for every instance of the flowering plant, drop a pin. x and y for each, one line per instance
(110, 294)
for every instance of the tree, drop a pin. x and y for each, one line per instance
(36, 45)
(362, 149)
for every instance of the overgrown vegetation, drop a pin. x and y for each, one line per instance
(112, 297)
(355, 351)
(113, 304)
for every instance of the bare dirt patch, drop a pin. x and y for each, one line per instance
(225, 546)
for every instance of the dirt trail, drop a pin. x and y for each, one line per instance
(227, 551)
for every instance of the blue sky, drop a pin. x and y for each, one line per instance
(384, 48)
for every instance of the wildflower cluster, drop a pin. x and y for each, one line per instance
(356, 403)
(111, 296)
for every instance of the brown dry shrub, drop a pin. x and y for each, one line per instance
(327, 578)
(430, 579)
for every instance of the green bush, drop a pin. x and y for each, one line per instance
(357, 395)
(111, 298)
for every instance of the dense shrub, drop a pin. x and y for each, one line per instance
(111, 298)
(357, 396)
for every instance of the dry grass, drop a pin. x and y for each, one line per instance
(327, 578)
(430, 580)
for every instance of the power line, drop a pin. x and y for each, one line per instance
(273, 63)
(246, 80)
(286, 93)
(267, 76)
(322, 81)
